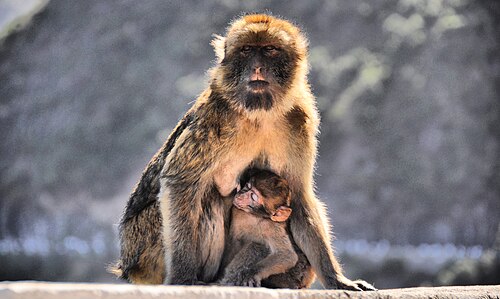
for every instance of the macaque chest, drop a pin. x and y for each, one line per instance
(266, 145)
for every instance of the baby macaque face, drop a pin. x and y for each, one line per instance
(248, 198)
(265, 195)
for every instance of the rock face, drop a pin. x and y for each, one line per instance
(21, 290)
(15, 15)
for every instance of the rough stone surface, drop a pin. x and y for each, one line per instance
(15, 14)
(35, 290)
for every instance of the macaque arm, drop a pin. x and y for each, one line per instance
(276, 263)
(241, 270)
(190, 204)
(309, 229)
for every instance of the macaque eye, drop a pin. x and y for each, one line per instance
(245, 49)
(249, 185)
(254, 197)
(271, 50)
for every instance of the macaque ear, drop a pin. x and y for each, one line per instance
(281, 214)
(219, 44)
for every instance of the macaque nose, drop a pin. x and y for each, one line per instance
(257, 74)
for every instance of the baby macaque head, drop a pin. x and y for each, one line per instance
(265, 194)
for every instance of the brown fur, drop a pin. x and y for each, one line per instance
(149, 267)
(222, 138)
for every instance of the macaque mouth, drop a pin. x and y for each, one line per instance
(241, 206)
(258, 84)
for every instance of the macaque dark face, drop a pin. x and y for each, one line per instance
(259, 71)
(265, 195)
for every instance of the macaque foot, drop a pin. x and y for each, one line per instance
(364, 285)
(251, 282)
(354, 285)
(242, 279)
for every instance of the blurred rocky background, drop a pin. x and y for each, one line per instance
(408, 91)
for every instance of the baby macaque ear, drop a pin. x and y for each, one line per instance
(281, 214)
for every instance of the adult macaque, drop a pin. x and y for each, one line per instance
(258, 111)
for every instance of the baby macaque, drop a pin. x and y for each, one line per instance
(259, 245)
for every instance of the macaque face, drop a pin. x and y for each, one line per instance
(259, 70)
(251, 200)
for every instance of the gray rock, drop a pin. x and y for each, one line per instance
(15, 15)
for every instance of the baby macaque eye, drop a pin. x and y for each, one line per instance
(254, 197)
(249, 185)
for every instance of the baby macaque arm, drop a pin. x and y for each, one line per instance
(277, 262)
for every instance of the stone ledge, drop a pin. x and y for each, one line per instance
(40, 290)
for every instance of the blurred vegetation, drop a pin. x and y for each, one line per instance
(410, 139)
(426, 265)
